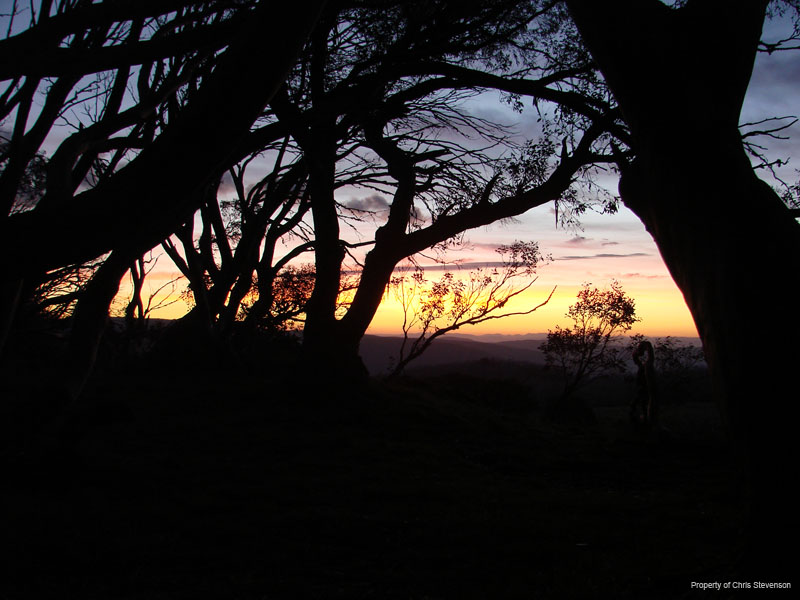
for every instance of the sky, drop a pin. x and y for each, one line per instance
(617, 247)
(607, 248)
(604, 248)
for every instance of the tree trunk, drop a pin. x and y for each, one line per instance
(725, 236)
(375, 276)
(728, 241)
(320, 332)
(138, 275)
(89, 322)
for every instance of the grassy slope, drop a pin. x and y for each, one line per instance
(249, 486)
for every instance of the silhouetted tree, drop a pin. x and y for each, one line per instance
(192, 107)
(589, 348)
(433, 309)
(398, 78)
(172, 106)
(365, 104)
(238, 238)
(55, 293)
(288, 295)
(375, 86)
(167, 105)
(680, 72)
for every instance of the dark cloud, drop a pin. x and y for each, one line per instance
(608, 243)
(489, 246)
(373, 203)
(454, 267)
(578, 240)
(602, 255)
(773, 91)
(643, 276)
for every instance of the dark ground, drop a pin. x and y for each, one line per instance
(244, 482)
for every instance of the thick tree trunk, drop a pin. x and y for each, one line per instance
(377, 272)
(89, 322)
(328, 255)
(680, 77)
(324, 350)
(733, 248)
(239, 291)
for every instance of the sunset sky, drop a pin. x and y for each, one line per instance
(606, 247)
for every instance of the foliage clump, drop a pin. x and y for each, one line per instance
(588, 349)
(432, 309)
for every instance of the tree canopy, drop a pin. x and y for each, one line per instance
(377, 97)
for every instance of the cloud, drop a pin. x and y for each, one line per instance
(578, 240)
(226, 186)
(773, 89)
(372, 203)
(609, 243)
(454, 267)
(643, 276)
(601, 255)
(488, 246)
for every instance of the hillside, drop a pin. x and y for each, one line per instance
(378, 352)
(222, 483)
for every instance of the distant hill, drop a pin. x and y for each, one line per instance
(378, 351)
(495, 338)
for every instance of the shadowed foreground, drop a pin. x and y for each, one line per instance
(227, 485)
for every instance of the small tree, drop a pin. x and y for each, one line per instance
(432, 310)
(586, 350)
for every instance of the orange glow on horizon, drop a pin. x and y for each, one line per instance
(610, 247)
(661, 309)
(659, 305)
